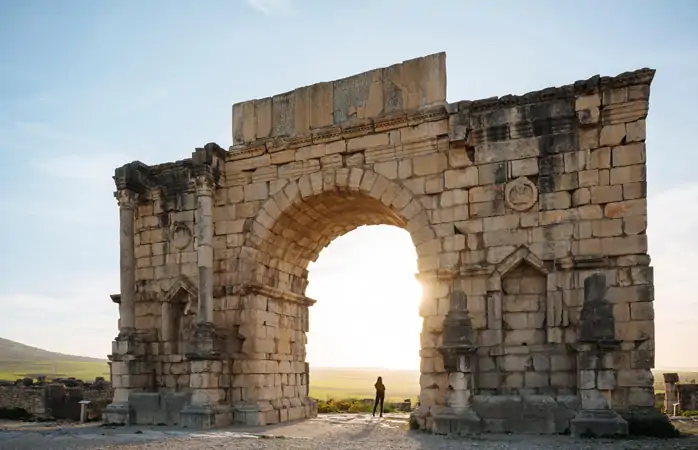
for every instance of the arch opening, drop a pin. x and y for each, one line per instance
(297, 223)
(289, 233)
(365, 323)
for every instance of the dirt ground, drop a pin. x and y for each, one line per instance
(331, 431)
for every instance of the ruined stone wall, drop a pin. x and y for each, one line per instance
(38, 401)
(30, 399)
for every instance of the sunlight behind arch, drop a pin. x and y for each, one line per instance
(368, 297)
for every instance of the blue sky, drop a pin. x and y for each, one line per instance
(88, 85)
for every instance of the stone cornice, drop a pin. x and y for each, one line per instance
(269, 291)
(436, 275)
(204, 166)
(336, 133)
(132, 177)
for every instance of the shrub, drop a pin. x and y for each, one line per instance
(353, 406)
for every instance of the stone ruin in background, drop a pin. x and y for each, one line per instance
(528, 214)
(58, 398)
(679, 397)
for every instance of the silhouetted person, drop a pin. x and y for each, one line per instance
(380, 395)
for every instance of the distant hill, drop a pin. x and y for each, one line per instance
(14, 351)
(19, 361)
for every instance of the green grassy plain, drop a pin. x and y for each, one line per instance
(345, 383)
(83, 370)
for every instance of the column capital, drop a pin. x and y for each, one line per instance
(204, 183)
(126, 199)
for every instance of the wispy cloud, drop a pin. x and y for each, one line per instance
(270, 6)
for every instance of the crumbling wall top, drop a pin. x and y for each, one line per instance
(410, 85)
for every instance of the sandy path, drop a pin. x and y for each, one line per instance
(345, 431)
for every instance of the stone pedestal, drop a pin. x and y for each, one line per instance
(598, 423)
(117, 413)
(458, 417)
(203, 417)
(596, 379)
(207, 408)
(446, 420)
(127, 348)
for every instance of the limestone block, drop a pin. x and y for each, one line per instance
(486, 193)
(621, 312)
(487, 209)
(461, 178)
(524, 167)
(429, 164)
(635, 131)
(555, 200)
(635, 378)
(626, 208)
(606, 194)
(640, 396)
(433, 184)
(458, 157)
(310, 152)
(424, 131)
(627, 155)
(492, 173)
(588, 178)
(588, 138)
(635, 190)
(606, 228)
(587, 101)
(592, 399)
(627, 245)
(536, 379)
(628, 174)
(368, 142)
(612, 135)
(600, 158)
(637, 330)
(606, 380)
(514, 380)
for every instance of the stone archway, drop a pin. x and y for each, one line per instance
(528, 214)
(305, 215)
(294, 224)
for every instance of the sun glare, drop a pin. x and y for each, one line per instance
(366, 313)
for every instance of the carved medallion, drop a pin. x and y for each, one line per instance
(180, 236)
(521, 194)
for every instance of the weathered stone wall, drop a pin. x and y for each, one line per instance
(512, 203)
(39, 401)
(29, 398)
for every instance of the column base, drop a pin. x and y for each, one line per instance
(117, 414)
(204, 417)
(598, 423)
(446, 420)
(418, 418)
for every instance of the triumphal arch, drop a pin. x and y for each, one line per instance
(528, 214)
